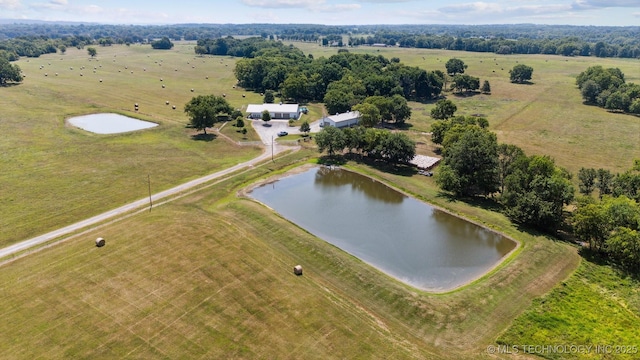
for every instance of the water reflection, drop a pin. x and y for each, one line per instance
(404, 237)
(331, 177)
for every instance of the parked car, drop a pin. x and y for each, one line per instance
(283, 133)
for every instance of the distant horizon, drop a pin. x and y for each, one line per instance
(617, 13)
(4, 21)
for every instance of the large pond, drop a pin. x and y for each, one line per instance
(109, 123)
(405, 238)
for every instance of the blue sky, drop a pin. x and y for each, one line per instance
(330, 12)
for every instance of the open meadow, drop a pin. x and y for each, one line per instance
(209, 275)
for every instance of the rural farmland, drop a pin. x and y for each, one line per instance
(209, 274)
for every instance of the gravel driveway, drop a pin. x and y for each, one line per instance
(270, 130)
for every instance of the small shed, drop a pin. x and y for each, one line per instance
(297, 270)
(425, 162)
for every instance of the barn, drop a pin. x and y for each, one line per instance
(277, 111)
(341, 120)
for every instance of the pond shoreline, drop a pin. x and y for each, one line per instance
(503, 260)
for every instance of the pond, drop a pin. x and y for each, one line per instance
(109, 123)
(407, 239)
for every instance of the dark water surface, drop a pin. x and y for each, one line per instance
(405, 238)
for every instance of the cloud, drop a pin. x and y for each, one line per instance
(336, 8)
(385, 1)
(606, 3)
(312, 5)
(283, 3)
(10, 4)
(476, 7)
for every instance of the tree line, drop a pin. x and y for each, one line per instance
(610, 224)
(533, 191)
(569, 46)
(378, 144)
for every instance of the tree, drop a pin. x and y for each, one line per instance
(269, 97)
(604, 182)
(444, 109)
(398, 148)
(455, 66)
(470, 162)
(305, 128)
(63, 49)
(92, 51)
(203, 110)
(536, 193)
(590, 91)
(591, 224)
(9, 72)
(331, 139)
(266, 116)
(508, 155)
(369, 114)
(486, 87)
(520, 73)
(587, 178)
(239, 122)
(162, 44)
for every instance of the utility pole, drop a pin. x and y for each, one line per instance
(149, 182)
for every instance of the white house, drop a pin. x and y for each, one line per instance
(341, 120)
(277, 111)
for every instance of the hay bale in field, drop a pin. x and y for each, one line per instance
(100, 242)
(174, 107)
(167, 102)
(163, 86)
(192, 90)
(297, 270)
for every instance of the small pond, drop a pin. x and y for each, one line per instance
(408, 239)
(109, 123)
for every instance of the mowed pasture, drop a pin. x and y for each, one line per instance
(54, 174)
(545, 117)
(211, 276)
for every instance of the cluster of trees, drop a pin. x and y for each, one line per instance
(340, 81)
(532, 189)
(162, 44)
(608, 89)
(376, 109)
(392, 147)
(611, 224)
(248, 48)
(9, 72)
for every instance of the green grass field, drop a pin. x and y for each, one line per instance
(546, 117)
(210, 275)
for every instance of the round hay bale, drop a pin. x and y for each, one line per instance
(192, 90)
(100, 242)
(100, 80)
(167, 102)
(174, 107)
(297, 270)
(163, 86)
